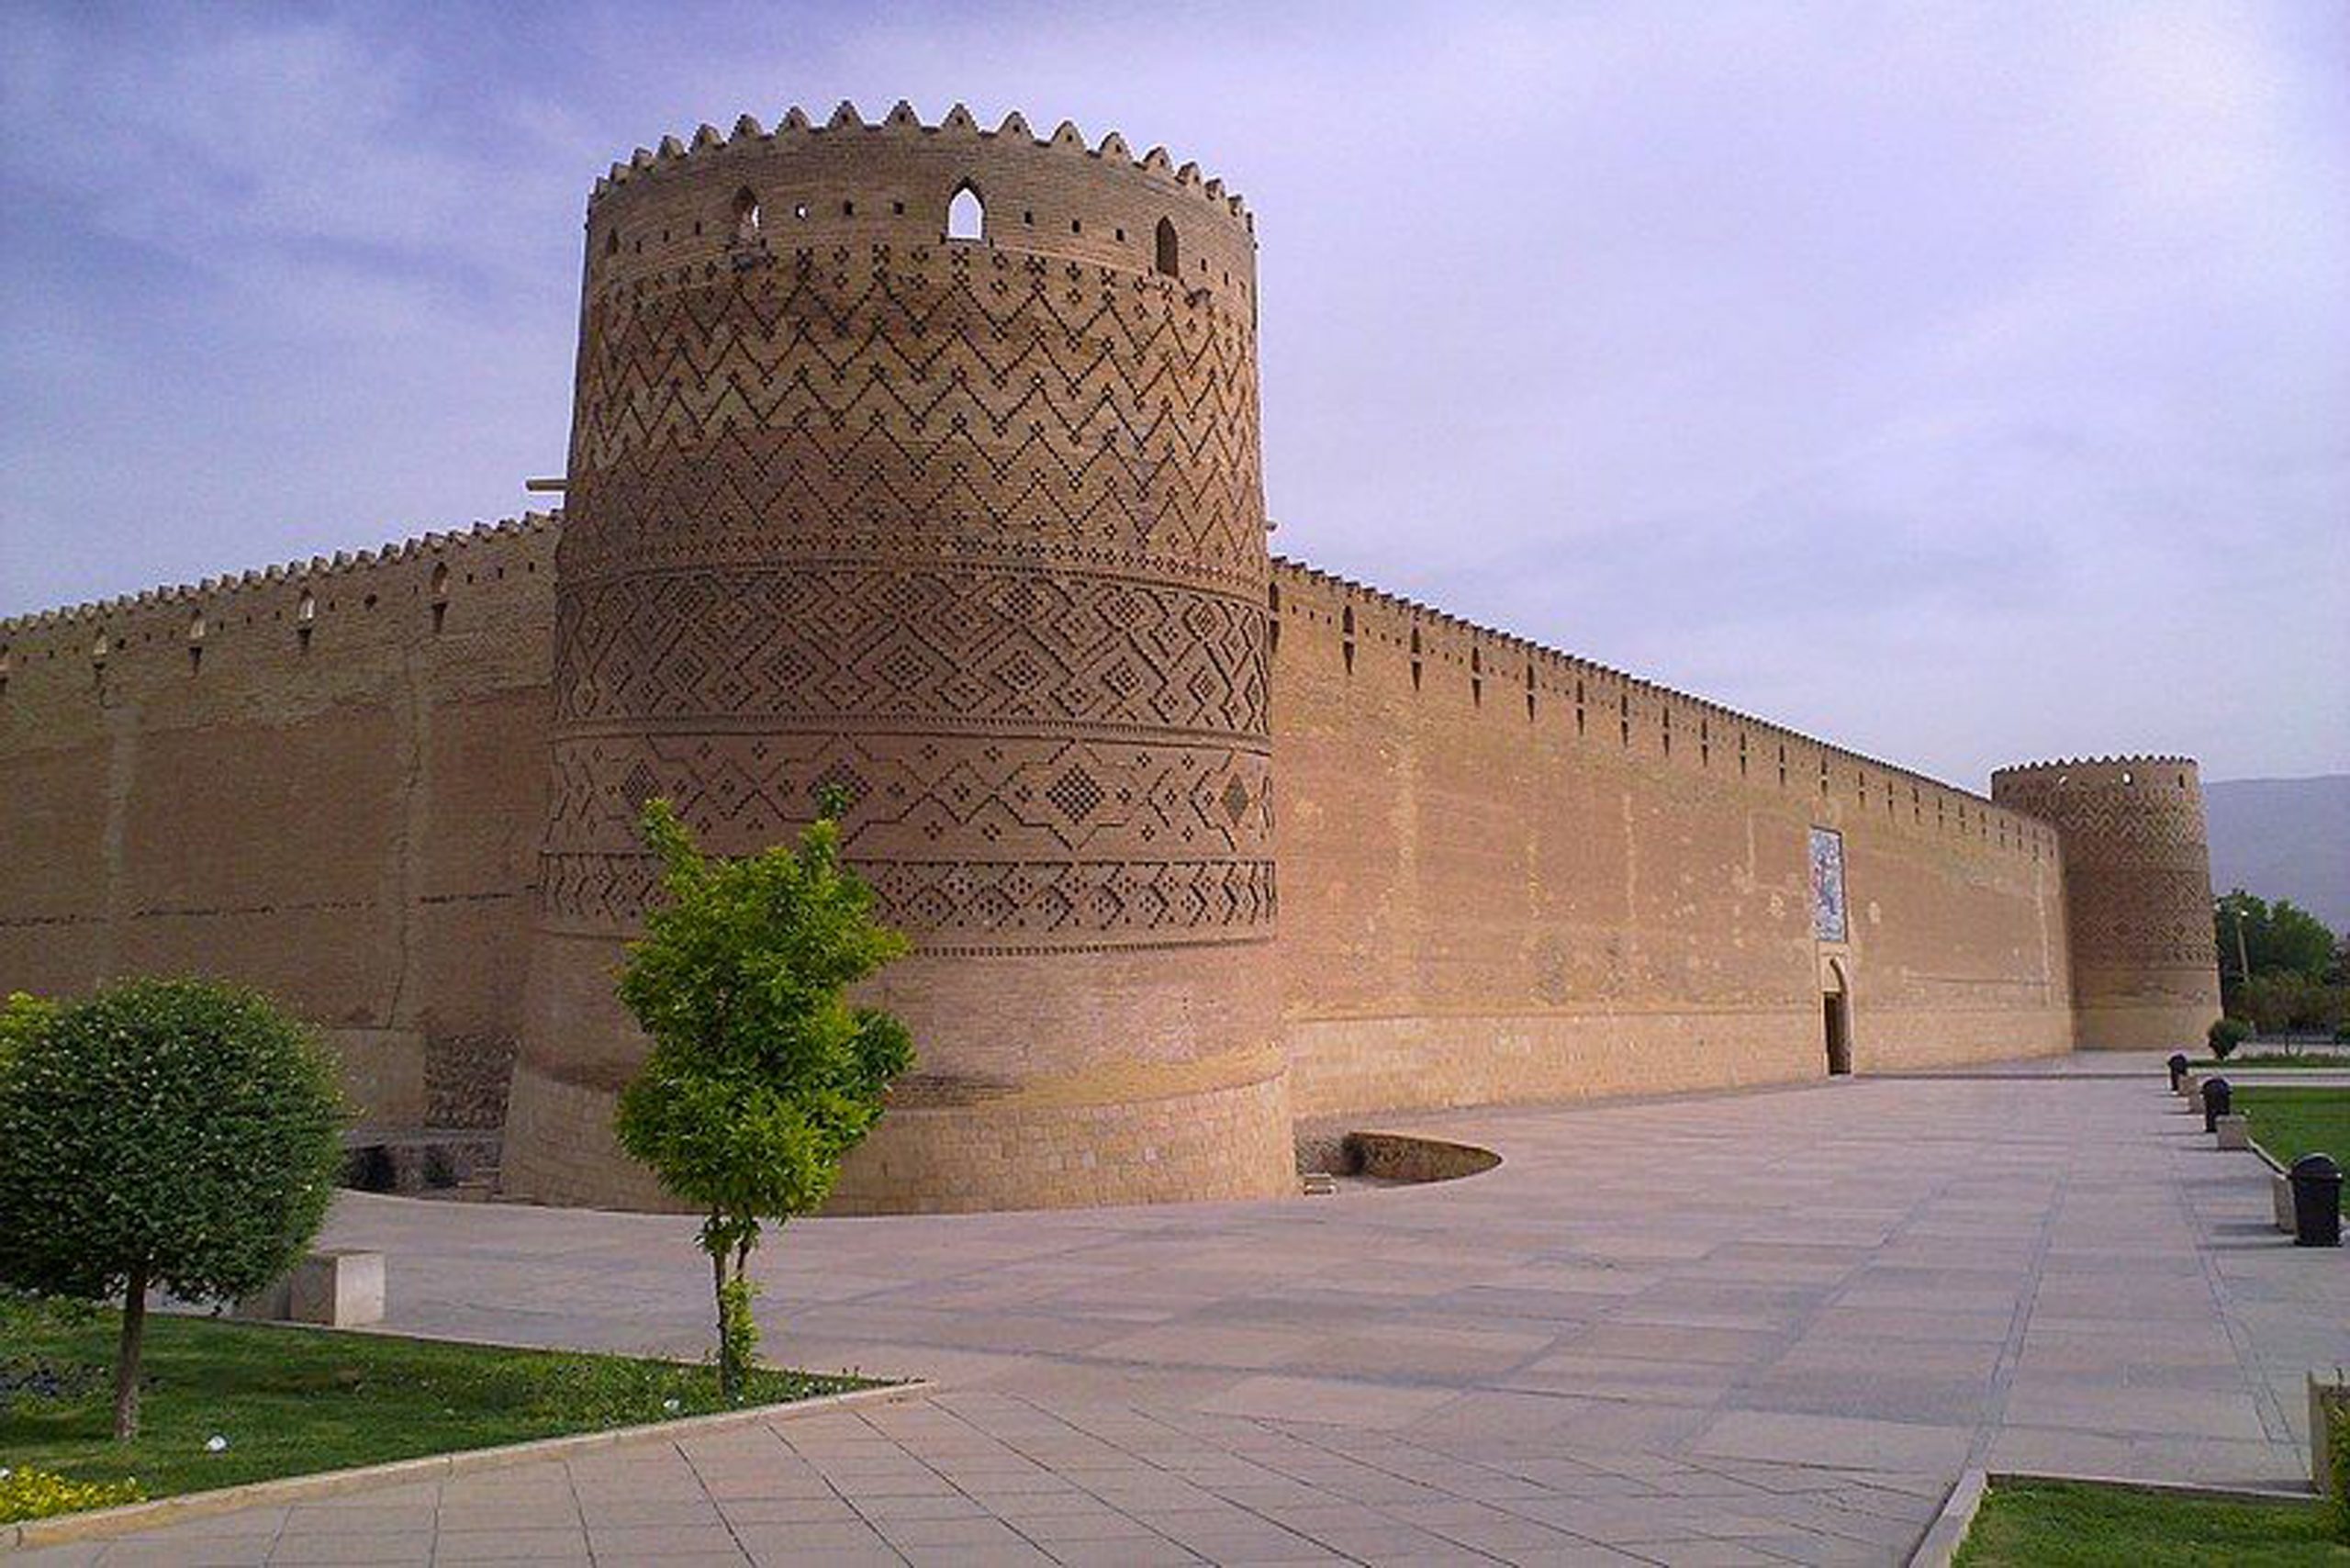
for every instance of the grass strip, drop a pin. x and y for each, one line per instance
(291, 1401)
(2290, 1123)
(2073, 1524)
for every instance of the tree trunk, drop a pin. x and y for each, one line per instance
(718, 1306)
(126, 1356)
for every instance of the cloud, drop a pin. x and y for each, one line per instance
(1960, 383)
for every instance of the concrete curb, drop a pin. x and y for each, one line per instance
(1948, 1533)
(131, 1517)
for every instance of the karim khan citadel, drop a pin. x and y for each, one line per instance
(924, 461)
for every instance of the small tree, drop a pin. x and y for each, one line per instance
(163, 1133)
(761, 1076)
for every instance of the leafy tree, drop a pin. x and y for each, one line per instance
(761, 1076)
(2280, 1000)
(2278, 938)
(162, 1133)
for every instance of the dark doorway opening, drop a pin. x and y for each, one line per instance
(1836, 1017)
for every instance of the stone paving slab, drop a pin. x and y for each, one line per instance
(1755, 1327)
(927, 1481)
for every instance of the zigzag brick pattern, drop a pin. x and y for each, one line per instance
(788, 518)
(2138, 892)
(973, 532)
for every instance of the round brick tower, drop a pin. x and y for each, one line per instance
(2137, 894)
(923, 462)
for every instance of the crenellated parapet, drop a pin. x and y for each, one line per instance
(202, 639)
(316, 569)
(2138, 892)
(834, 191)
(1323, 615)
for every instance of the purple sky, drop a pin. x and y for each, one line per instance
(1964, 384)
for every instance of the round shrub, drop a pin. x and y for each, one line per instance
(2226, 1035)
(163, 1133)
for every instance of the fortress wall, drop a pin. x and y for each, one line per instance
(1524, 876)
(341, 808)
(1479, 904)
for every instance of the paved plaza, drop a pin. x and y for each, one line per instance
(1760, 1328)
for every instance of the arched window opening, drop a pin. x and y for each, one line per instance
(746, 215)
(1171, 251)
(966, 215)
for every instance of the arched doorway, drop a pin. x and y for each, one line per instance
(1836, 1019)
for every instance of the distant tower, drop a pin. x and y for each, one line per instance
(2137, 894)
(923, 462)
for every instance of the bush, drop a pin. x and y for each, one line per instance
(2341, 1034)
(30, 1494)
(2226, 1035)
(170, 1134)
(22, 1017)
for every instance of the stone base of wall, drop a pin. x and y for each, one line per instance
(1352, 1066)
(465, 1079)
(382, 1074)
(2161, 1028)
(1222, 1143)
(1896, 1040)
(560, 1150)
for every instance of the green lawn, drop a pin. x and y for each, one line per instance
(2289, 1122)
(2064, 1524)
(2336, 1061)
(293, 1400)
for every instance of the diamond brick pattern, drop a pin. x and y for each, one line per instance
(976, 535)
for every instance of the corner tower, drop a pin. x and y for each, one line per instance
(923, 462)
(2137, 894)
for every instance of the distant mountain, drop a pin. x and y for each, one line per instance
(2284, 838)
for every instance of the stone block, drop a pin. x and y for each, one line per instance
(2280, 1194)
(335, 1290)
(2329, 1412)
(2235, 1132)
(339, 1290)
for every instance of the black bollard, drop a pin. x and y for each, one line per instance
(2177, 1070)
(2317, 1201)
(2216, 1096)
